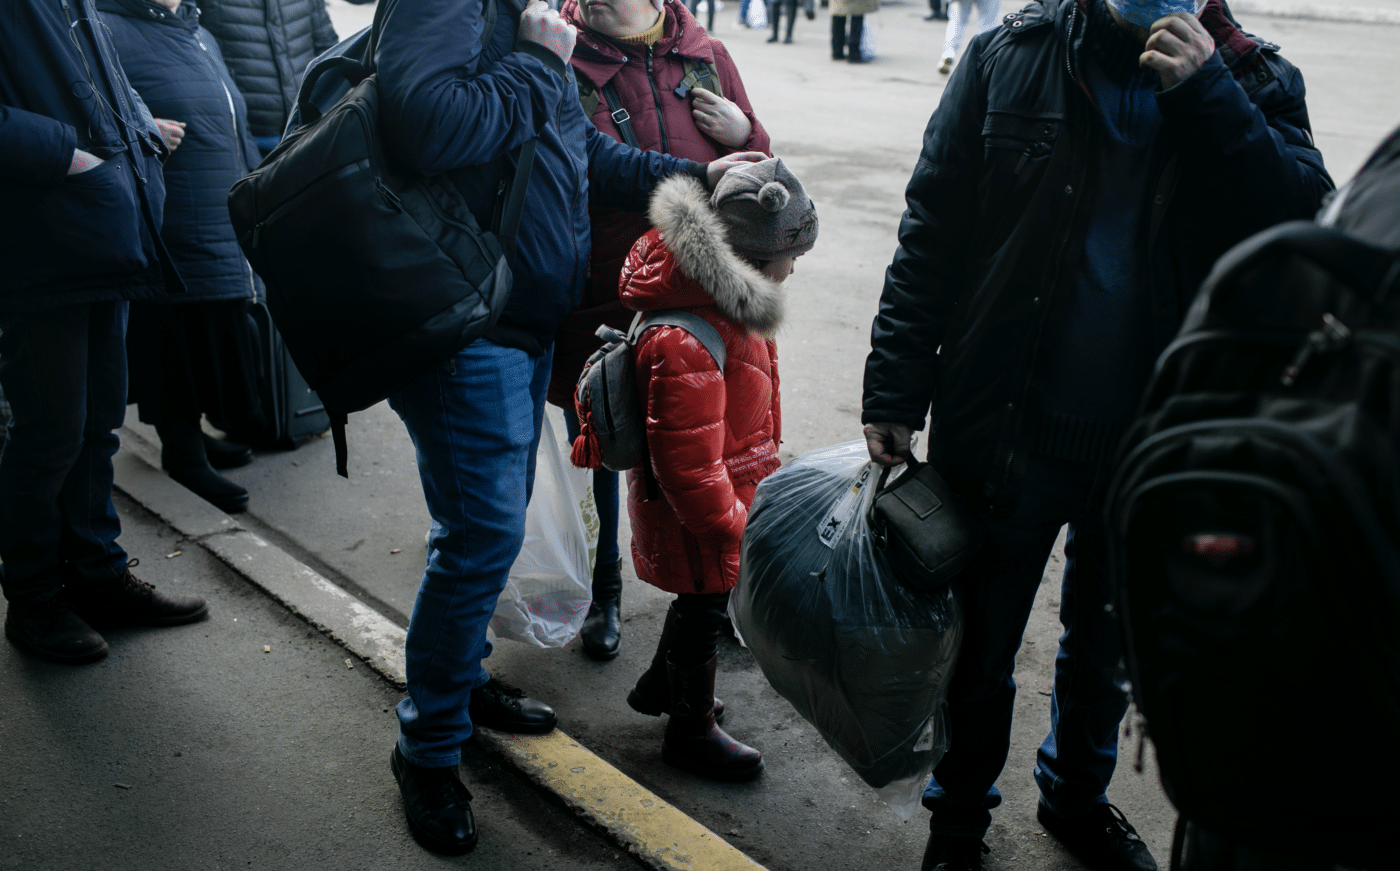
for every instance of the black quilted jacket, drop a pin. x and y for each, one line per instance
(267, 45)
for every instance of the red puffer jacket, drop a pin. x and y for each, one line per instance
(646, 80)
(711, 437)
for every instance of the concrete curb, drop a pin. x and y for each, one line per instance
(649, 828)
(1316, 12)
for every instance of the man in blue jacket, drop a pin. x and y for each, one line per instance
(81, 209)
(450, 105)
(1088, 163)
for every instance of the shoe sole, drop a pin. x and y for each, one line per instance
(677, 760)
(600, 654)
(100, 622)
(61, 659)
(425, 839)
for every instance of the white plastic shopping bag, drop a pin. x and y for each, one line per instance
(758, 14)
(551, 582)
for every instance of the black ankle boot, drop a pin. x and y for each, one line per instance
(226, 455)
(694, 742)
(182, 456)
(652, 694)
(602, 628)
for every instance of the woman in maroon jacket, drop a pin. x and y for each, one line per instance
(711, 434)
(649, 53)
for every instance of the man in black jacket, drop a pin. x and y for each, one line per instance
(1088, 163)
(80, 201)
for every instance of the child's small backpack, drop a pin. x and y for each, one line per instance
(612, 423)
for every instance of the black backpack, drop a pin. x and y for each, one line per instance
(1254, 525)
(373, 274)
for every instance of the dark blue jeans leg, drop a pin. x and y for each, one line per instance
(475, 424)
(64, 376)
(999, 591)
(1076, 761)
(605, 494)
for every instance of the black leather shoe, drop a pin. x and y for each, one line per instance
(50, 630)
(130, 601)
(1102, 839)
(226, 455)
(437, 805)
(953, 854)
(502, 707)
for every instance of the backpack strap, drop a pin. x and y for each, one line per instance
(697, 327)
(699, 75)
(619, 115)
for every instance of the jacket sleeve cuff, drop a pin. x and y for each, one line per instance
(544, 55)
(35, 148)
(700, 171)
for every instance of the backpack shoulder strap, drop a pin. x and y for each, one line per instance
(619, 115)
(688, 321)
(699, 75)
(588, 96)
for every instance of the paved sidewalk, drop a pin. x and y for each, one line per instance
(249, 740)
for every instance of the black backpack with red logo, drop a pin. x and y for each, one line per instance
(1255, 538)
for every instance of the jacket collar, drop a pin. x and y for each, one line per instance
(599, 58)
(186, 15)
(695, 236)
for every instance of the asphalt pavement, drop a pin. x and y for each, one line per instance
(260, 737)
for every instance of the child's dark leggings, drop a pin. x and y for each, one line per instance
(700, 618)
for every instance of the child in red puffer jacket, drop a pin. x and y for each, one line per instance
(711, 435)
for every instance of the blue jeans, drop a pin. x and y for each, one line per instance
(475, 424)
(63, 372)
(1075, 762)
(605, 494)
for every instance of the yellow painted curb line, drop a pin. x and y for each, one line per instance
(654, 831)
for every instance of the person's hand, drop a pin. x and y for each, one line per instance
(720, 119)
(171, 131)
(888, 443)
(83, 161)
(1177, 47)
(715, 169)
(540, 24)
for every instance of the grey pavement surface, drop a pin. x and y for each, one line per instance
(248, 740)
(278, 750)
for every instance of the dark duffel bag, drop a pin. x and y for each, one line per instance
(373, 274)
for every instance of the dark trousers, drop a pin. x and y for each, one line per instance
(700, 618)
(63, 372)
(841, 42)
(1076, 761)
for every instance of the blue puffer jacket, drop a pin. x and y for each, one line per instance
(68, 240)
(446, 111)
(175, 65)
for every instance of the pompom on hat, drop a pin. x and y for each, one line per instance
(767, 215)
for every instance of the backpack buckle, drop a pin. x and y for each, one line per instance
(621, 116)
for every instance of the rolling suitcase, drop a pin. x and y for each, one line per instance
(292, 410)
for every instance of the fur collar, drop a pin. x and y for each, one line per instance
(680, 210)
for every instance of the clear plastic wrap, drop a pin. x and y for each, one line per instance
(551, 581)
(861, 657)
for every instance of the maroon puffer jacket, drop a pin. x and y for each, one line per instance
(711, 437)
(598, 60)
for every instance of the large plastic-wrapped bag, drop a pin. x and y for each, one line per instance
(551, 582)
(861, 657)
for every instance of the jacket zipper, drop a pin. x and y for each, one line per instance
(238, 150)
(656, 96)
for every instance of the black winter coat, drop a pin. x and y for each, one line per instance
(445, 108)
(174, 64)
(267, 45)
(996, 223)
(69, 240)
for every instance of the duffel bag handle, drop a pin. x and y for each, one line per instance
(351, 68)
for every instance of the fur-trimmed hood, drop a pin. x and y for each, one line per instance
(687, 261)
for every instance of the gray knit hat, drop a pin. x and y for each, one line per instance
(766, 213)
